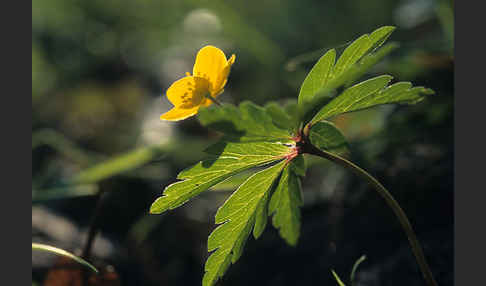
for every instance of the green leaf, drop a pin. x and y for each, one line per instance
(58, 251)
(351, 55)
(326, 76)
(280, 117)
(367, 62)
(261, 216)
(233, 158)
(237, 217)
(357, 50)
(380, 35)
(352, 95)
(232, 182)
(248, 122)
(292, 110)
(298, 165)
(284, 205)
(370, 93)
(316, 78)
(326, 136)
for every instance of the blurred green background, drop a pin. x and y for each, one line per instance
(99, 73)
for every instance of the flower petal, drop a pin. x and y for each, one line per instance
(188, 92)
(231, 60)
(176, 114)
(224, 75)
(211, 64)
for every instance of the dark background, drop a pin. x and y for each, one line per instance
(99, 72)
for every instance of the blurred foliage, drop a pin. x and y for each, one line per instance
(99, 69)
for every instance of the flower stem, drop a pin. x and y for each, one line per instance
(213, 99)
(93, 225)
(307, 147)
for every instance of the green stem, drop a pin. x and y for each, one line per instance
(93, 225)
(213, 99)
(392, 203)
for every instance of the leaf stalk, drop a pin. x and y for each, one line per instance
(307, 147)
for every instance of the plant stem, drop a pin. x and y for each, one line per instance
(93, 226)
(213, 99)
(392, 203)
(93, 230)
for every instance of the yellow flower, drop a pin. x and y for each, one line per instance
(188, 94)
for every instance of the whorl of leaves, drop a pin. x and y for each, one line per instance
(266, 136)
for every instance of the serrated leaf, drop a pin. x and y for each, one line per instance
(380, 35)
(232, 182)
(248, 122)
(326, 136)
(359, 48)
(62, 252)
(237, 217)
(326, 76)
(284, 205)
(358, 56)
(352, 95)
(370, 93)
(367, 62)
(233, 158)
(316, 78)
(351, 55)
(261, 216)
(298, 165)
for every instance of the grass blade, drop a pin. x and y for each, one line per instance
(58, 251)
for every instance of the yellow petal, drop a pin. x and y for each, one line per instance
(224, 75)
(212, 65)
(176, 114)
(231, 60)
(188, 92)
